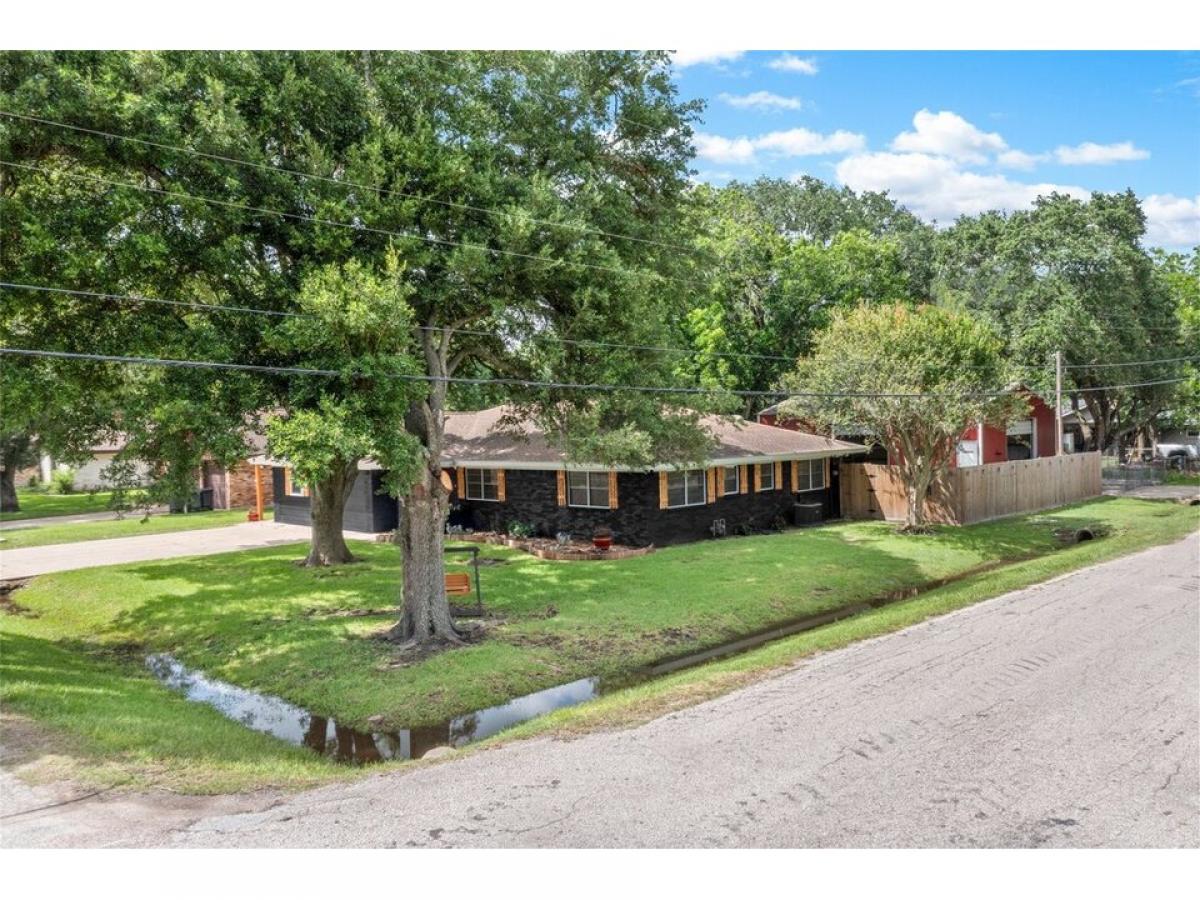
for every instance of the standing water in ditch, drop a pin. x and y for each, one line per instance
(290, 723)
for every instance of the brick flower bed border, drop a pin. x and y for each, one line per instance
(578, 554)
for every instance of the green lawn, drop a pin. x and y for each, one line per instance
(72, 660)
(131, 526)
(36, 505)
(1188, 478)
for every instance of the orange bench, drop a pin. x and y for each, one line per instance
(458, 584)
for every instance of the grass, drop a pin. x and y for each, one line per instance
(1171, 476)
(72, 662)
(132, 525)
(35, 504)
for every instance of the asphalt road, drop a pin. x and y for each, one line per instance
(1064, 715)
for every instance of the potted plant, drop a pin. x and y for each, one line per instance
(602, 538)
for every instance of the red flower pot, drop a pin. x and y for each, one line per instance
(252, 516)
(602, 543)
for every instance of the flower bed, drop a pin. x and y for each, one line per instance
(549, 548)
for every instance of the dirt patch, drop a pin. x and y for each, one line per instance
(11, 607)
(362, 613)
(405, 656)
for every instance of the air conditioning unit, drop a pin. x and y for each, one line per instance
(807, 513)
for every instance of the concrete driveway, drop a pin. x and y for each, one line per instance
(1064, 715)
(27, 561)
(1154, 491)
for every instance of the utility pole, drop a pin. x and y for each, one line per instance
(1058, 426)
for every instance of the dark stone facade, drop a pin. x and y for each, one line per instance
(366, 510)
(532, 499)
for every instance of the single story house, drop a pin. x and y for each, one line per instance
(755, 477)
(1030, 437)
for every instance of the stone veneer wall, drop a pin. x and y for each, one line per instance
(532, 499)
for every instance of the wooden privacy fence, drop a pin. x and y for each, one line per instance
(975, 493)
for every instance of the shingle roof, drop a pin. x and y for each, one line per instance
(480, 437)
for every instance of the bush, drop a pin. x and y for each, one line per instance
(62, 481)
(520, 530)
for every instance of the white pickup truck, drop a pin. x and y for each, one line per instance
(1176, 451)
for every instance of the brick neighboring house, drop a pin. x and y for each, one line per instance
(755, 476)
(1030, 437)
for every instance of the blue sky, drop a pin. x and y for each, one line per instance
(957, 133)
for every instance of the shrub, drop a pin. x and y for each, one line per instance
(63, 481)
(520, 530)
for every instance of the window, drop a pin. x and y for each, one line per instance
(810, 475)
(483, 484)
(732, 480)
(685, 488)
(587, 489)
(766, 476)
(291, 486)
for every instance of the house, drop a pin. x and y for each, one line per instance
(1030, 437)
(232, 487)
(755, 477)
(872, 453)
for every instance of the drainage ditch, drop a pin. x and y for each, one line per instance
(323, 735)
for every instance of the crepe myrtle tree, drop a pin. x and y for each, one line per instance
(948, 364)
(356, 322)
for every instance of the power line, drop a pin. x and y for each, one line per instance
(1142, 362)
(389, 192)
(216, 307)
(523, 382)
(126, 298)
(429, 239)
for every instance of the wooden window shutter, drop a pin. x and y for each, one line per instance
(662, 490)
(757, 479)
(287, 481)
(462, 482)
(720, 480)
(795, 475)
(712, 485)
(612, 489)
(779, 476)
(562, 487)
(447, 481)
(744, 481)
(500, 491)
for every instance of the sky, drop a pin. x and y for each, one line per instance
(950, 134)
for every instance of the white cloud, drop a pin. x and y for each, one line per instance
(1091, 154)
(762, 100)
(685, 58)
(718, 149)
(1172, 221)
(802, 142)
(789, 63)
(935, 187)
(948, 134)
(793, 142)
(1019, 159)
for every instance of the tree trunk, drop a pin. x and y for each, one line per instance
(8, 490)
(916, 486)
(327, 500)
(425, 614)
(426, 611)
(15, 452)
